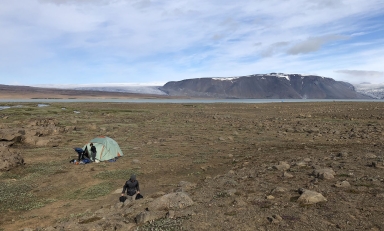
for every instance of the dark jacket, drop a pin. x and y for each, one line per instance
(131, 186)
(93, 149)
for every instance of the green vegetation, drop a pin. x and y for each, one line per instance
(90, 193)
(115, 174)
(18, 196)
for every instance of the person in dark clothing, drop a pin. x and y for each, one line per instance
(81, 153)
(132, 187)
(93, 152)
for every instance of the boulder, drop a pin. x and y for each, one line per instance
(147, 215)
(184, 186)
(8, 137)
(324, 173)
(309, 197)
(342, 184)
(9, 160)
(178, 200)
(282, 166)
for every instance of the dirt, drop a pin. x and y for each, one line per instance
(231, 151)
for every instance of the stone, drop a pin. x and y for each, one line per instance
(9, 159)
(343, 184)
(370, 156)
(274, 219)
(324, 173)
(301, 164)
(309, 197)
(186, 186)
(147, 215)
(279, 190)
(287, 175)
(178, 200)
(326, 176)
(282, 166)
(270, 197)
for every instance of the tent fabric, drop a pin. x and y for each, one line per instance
(106, 148)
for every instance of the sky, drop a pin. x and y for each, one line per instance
(155, 41)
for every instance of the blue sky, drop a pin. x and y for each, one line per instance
(156, 41)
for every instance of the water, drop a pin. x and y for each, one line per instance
(4, 107)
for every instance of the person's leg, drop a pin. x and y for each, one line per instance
(93, 156)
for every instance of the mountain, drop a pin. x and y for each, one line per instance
(264, 86)
(375, 91)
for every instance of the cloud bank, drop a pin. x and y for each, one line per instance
(136, 41)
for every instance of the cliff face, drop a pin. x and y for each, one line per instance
(268, 86)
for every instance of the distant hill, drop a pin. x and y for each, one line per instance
(27, 92)
(265, 86)
(373, 90)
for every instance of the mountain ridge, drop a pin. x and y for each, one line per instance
(265, 86)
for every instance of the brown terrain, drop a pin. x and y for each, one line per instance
(275, 166)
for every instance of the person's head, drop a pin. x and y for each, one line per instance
(133, 177)
(91, 144)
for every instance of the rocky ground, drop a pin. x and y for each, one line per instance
(277, 166)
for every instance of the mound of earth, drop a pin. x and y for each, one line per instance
(9, 159)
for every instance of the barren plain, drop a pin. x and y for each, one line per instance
(228, 166)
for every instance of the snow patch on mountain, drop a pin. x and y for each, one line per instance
(373, 90)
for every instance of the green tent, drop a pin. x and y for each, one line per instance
(106, 148)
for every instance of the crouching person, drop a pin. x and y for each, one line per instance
(132, 188)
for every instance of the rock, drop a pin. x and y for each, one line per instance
(231, 172)
(342, 154)
(307, 159)
(186, 186)
(343, 184)
(135, 161)
(270, 197)
(9, 160)
(170, 214)
(239, 202)
(282, 166)
(324, 173)
(287, 175)
(310, 197)
(158, 194)
(147, 215)
(230, 192)
(279, 190)
(301, 164)
(326, 176)
(274, 219)
(370, 156)
(177, 200)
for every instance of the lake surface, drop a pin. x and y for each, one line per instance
(183, 101)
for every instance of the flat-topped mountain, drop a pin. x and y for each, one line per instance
(264, 86)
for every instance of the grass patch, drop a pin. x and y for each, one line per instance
(98, 190)
(221, 195)
(232, 213)
(164, 224)
(200, 161)
(164, 156)
(90, 220)
(17, 196)
(92, 192)
(116, 174)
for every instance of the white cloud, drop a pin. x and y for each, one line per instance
(68, 41)
(313, 44)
